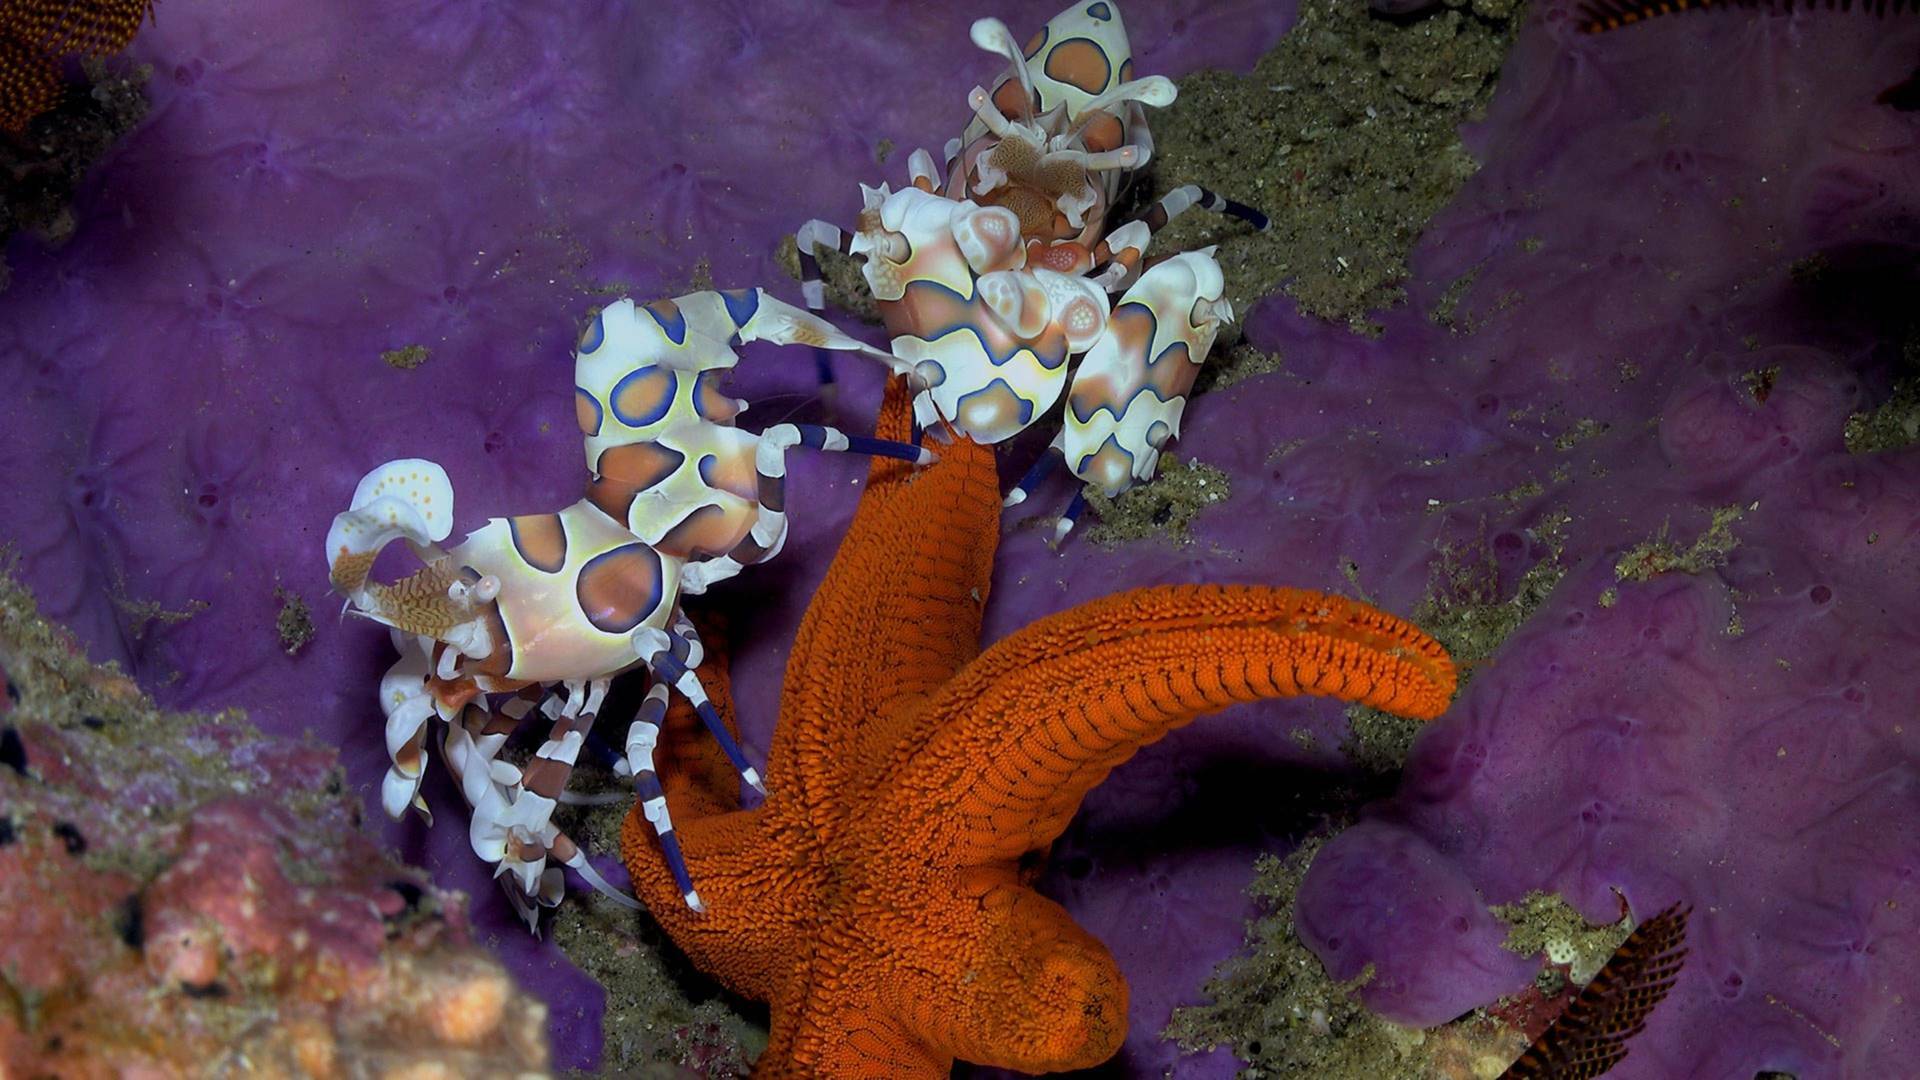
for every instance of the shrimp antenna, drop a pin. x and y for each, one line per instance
(992, 35)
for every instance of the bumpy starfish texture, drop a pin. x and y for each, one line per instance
(876, 899)
(35, 34)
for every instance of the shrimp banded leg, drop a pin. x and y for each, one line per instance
(770, 527)
(656, 646)
(813, 235)
(1123, 248)
(1050, 459)
(408, 702)
(472, 740)
(642, 738)
(665, 655)
(544, 780)
(512, 824)
(1042, 467)
(1187, 196)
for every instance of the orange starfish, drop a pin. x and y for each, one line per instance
(876, 899)
(35, 34)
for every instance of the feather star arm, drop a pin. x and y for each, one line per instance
(1591, 1036)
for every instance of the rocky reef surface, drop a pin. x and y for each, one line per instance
(186, 896)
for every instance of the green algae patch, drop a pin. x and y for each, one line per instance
(1162, 507)
(661, 1017)
(407, 357)
(1543, 923)
(1275, 1006)
(141, 614)
(294, 622)
(1661, 555)
(1468, 610)
(840, 276)
(1346, 135)
(1279, 1011)
(1893, 425)
(1236, 363)
(1378, 742)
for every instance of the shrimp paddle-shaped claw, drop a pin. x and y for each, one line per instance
(545, 609)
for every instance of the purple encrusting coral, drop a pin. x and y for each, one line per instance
(1691, 245)
(196, 379)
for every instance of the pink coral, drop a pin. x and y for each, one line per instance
(181, 894)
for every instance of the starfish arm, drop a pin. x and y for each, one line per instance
(833, 1027)
(751, 938)
(977, 967)
(898, 613)
(1018, 738)
(899, 610)
(1014, 982)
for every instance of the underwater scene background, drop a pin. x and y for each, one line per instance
(1593, 355)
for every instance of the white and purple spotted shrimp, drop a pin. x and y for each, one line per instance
(678, 499)
(992, 272)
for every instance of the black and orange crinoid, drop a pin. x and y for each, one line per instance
(1591, 1036)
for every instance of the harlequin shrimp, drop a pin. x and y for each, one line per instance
(544, 606)
(992, 272)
